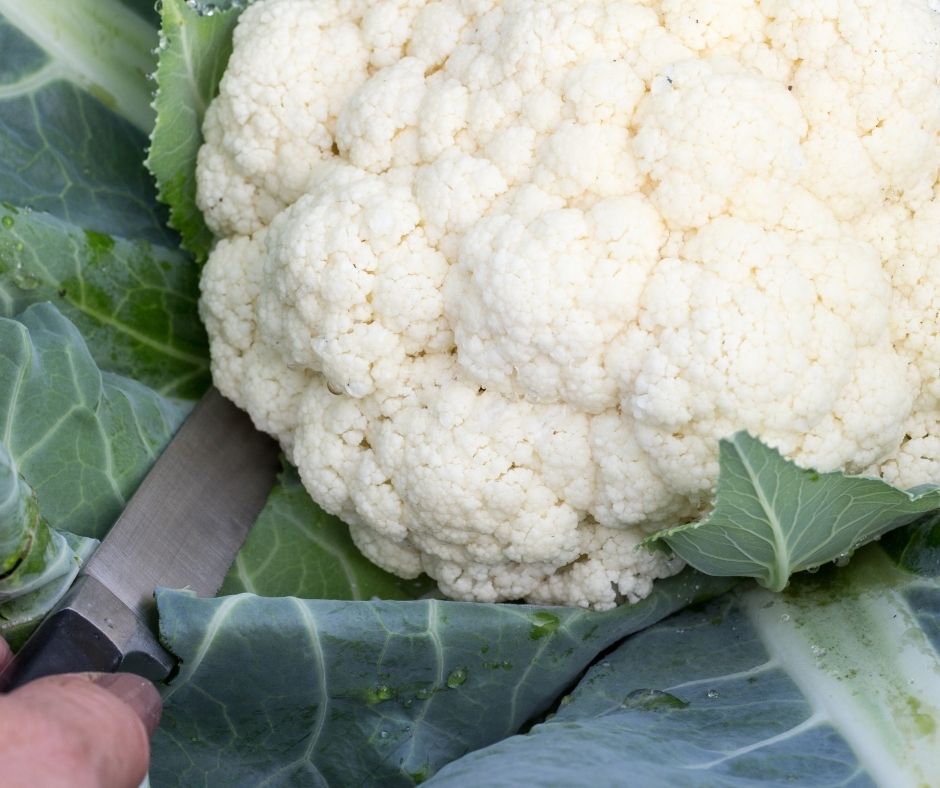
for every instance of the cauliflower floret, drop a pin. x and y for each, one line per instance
(500, 275)
(252, 373)
(535, 306)
(350, 284)
(761, 331)
(697, 113)
(294, 66)
(377, 128)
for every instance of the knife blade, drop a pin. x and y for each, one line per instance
(181, 529)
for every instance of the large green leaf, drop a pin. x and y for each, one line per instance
(297, 549)
(836, 683)
(291, 692)
(194, 50)
(103, 46)
(74, 112)
(135, 303)
(79, 221)
(82, 438)
(772, 518)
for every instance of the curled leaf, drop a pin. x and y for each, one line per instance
(772, 518)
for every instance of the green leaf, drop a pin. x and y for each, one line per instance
(19, 517)
(916, 550)
(29, 549)
(772, 518)
(79, 220)
(102, 46)
(835, 683)
(134, 303)
(37, 563)
(195, 47)
(74, 112)
(82, 438)
(20, 615)
(291, 692)
(297, 549)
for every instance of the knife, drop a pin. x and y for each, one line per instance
(181, 529)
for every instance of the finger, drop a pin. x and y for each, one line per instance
(6, 654)
(136, 692)
(78, 730)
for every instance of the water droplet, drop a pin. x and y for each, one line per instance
(785, 617)
(18, 246)
(7, 222)
(383, 734)
(843, 560)
(457, 677)
(24, 280)
(543, 624)
(380, 694)
(812, 569)
(712, 693)
(507, 665)
(424, 693)
(818, 651)
(653, 700)
(407, 703)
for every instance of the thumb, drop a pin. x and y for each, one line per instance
(88, 730)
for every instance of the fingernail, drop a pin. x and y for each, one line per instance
(136, 692)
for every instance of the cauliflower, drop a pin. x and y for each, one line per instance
(499, 275)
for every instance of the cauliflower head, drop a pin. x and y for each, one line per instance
(499, 274)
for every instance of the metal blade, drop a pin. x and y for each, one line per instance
(190, 515)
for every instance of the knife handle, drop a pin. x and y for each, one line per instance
(89, 630)
(66, 642)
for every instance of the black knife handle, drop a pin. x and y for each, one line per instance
(66, 642)
(89, 630)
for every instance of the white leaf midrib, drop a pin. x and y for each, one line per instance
(781, 548)
(99, 45)
(857, 705)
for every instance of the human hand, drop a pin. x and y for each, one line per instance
(81, 730)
